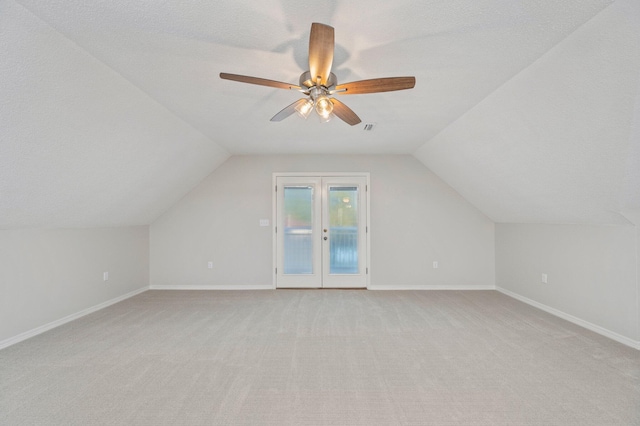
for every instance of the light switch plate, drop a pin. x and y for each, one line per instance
(264, 222)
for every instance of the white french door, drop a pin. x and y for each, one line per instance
(321, 232)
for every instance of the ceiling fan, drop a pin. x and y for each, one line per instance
(319, 83)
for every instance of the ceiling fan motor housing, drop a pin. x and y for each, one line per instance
(306, 80)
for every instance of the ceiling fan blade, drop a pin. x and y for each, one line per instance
(288, 110)
(376, 85)
(345, 113)
(321, 44)
(258, 81)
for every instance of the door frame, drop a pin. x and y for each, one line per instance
(274, 203)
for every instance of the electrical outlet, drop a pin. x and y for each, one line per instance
(105, 276)
(544, 279)
(435, 264)
(210, 265)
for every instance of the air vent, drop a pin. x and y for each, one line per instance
(369, 127)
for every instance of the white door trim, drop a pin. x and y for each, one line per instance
(274, 202)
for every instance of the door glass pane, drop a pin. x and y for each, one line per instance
(343, 229)
(298, 230)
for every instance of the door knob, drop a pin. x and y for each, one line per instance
(325, 238)
(324, 230)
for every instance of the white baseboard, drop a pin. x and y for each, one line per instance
(270, 287)
(211, 287)
(578, 321)
(57, 323)
(431, 287)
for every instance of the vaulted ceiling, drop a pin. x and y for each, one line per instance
(111, 111)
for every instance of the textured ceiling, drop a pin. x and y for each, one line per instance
(79, 145)
(560, 142)
(111, 111)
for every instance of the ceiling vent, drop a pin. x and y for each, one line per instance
(369, 127)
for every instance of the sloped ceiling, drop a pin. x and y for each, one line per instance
(559, 142)
(80, 146)
(111, 111)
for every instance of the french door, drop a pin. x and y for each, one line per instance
(321, 232)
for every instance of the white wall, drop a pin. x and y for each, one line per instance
(415, 219)
(633, 216)
(49, 274)
(592, 272)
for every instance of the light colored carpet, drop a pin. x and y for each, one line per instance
(314, 357)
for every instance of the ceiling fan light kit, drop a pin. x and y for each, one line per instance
(319, 83)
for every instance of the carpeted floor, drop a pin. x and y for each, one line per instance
(315, 357)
